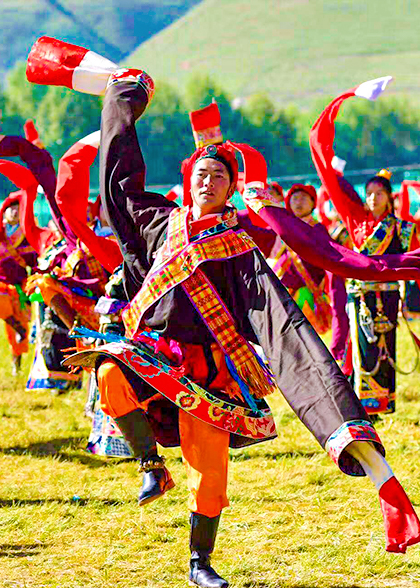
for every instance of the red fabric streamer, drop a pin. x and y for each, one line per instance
(72, 198)
(402, 526)
(52, 62)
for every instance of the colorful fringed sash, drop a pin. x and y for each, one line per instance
(379, 240)
(177, 263)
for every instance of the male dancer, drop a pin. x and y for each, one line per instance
(199, 282)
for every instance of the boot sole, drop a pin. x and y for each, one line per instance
(168, 486)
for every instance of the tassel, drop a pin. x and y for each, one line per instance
(256, 377)
(241, 383)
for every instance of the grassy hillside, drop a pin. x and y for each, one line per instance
(296, 50)
(110, 27)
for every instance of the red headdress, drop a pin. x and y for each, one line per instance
(205, 124)
(310, 190)
(208, 139)
(223, 153)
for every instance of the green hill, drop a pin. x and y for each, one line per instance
(295, 50)
(110, 27)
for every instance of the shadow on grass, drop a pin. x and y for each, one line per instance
(11, 502)
(24, 550)
(264, 585)
(273, 456)
(58, 447)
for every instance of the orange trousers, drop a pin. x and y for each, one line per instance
(205, 449)
(10, 306)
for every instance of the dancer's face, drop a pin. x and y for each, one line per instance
(210, 187)
(301, 203)
(11, 214)
(377, 199)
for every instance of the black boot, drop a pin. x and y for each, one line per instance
(156, 480)
(202, 539)
(139, 434)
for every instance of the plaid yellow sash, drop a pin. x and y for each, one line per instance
(177, 260)
(182, 268)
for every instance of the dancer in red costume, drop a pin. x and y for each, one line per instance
(375, 230)
(16, 257)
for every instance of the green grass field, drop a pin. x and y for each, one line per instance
(70, 520)
(294, 50)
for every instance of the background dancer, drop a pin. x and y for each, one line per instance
(16, 255)
(374, 230)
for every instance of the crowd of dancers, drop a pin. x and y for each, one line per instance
(187, 317)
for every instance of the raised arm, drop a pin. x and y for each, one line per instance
(137, 218)
(321, 139)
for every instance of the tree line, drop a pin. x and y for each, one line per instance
(369, 135)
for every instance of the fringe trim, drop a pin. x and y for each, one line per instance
(259, 381)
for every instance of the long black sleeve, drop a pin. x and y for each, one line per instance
(138, 218)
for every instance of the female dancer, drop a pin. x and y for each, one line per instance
(374, 230)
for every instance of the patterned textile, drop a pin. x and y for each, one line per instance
(216, 316)
(258, 197)
(41, 378)
(373, 376)
(379, 240)
(46, 372)
(105, 437)
(178, 264)
(95, 268)
(81, 304)
(82, 254)
(210, 136)
(186, 394)
(10, 244)
(346, 434)
(178, 261)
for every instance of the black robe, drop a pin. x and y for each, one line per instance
(264, 312)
